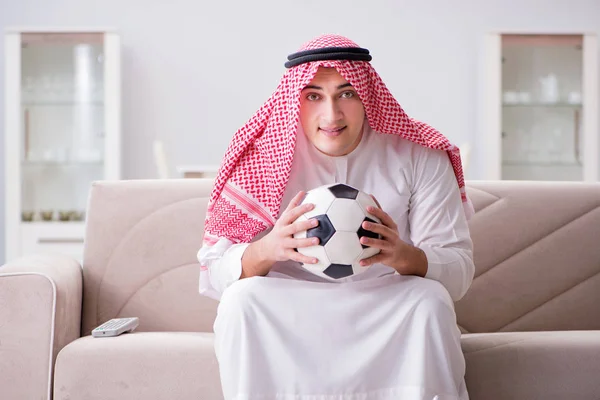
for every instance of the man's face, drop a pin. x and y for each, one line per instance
(331, 113)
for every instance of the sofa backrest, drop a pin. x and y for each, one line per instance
(140, 249)
(537, 256)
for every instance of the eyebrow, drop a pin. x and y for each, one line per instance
(320, 88)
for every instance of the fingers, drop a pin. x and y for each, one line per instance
(378, 258)
(383, 216)
(301, 258)
(380, 229)
(375, 200)
(377, 243)
(300, 243)
(296, 200)
(300, 226)
(292, 214)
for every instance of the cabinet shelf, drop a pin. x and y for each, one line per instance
(62, 103)
(542, 164)
(73, 163)
(542, 105)
(54, 224)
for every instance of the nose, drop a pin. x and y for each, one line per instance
(332, 111)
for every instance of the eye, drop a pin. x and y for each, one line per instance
(312, 97)
(347, 95)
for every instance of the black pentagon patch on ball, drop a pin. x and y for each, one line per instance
(363, 232)
(337, 271)
(324, 231)
(342, 191)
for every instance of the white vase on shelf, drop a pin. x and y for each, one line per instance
(549, 92)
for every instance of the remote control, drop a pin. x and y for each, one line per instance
(116, 326)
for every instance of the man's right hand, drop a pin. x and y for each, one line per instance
(280, 244)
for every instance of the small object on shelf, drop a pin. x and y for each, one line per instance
(549, 92)
(64, 215)
(77, 215)
(574, 98)
(27, 216)
(524, 97)
(198, 171)
(26, 133)
(47, 215)
(510, 97)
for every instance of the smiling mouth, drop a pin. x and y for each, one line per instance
(332, 131)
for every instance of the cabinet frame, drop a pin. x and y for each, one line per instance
(13, 128)
(492, 112)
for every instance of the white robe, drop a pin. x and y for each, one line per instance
(377, 335)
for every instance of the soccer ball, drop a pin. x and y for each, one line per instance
(340, 210)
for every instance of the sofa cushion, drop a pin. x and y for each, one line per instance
(158, 365)
(145, 365)
(533, 365)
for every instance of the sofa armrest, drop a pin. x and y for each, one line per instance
(40, 313)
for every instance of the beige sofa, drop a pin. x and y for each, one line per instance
(531, 318)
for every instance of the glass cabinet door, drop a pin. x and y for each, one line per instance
(542, 107)
(62, 132)
(62, 103)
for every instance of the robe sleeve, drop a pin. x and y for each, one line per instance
(438, 224)
(222, 265)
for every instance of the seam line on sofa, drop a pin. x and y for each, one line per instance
(494, 347)
(498, 199)
(549, 300)
(537, 241)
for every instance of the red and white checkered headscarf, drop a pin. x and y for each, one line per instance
(252, 178)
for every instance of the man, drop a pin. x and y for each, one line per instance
(388, 333)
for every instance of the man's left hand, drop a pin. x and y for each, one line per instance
(395, 253)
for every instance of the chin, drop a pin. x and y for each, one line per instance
(332, 152)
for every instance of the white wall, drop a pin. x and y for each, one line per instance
(194, 71)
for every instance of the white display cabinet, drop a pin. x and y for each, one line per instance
(541, 107)
(62, 132)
